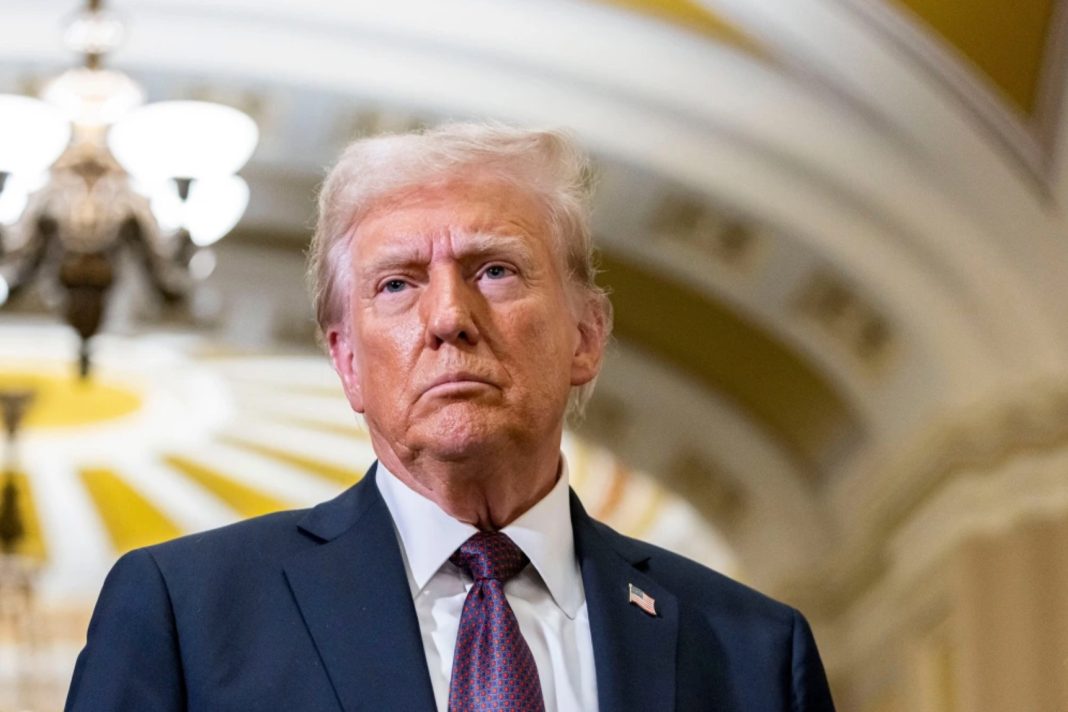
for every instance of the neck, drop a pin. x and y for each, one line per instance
(486, 491)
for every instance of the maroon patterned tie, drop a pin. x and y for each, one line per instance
(492, 668)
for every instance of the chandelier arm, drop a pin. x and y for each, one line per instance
(87, 278)
(27, 261)
(12, 528)
(172, 284)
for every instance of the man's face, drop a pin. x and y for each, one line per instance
(462, 334)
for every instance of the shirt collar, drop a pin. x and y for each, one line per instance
(428, 536)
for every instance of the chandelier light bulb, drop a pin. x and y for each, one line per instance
(12, 203)
(164, 201)
(183, 139)
(93, 31)
(202, 265)
(16, 194)
(33, 134)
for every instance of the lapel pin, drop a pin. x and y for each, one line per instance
(641, 599)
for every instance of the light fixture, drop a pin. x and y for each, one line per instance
(89, 170)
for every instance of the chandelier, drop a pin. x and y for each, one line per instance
(88, 172)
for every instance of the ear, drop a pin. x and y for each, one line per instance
(592, 328)
(344, 359)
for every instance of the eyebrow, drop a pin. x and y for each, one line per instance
(390, 259)
(487, 244)
(471, 245)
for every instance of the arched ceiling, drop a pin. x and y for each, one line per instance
(821, 224)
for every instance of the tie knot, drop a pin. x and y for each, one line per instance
(490, 555)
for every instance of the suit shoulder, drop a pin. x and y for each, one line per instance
(269, 536)
(248, 551)
(698, 585)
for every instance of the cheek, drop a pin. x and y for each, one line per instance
(388, 355)
(548, 340)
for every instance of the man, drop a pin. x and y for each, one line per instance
(455, 290)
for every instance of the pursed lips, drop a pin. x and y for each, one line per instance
(457, 381)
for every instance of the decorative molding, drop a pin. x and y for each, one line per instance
(1033, 418)
(1030, 487)
(688, 219)
(923, 604)
(361, 121)
(968, 447)
(842, 313)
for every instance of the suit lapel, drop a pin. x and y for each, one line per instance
(355, 600)
(634, 652)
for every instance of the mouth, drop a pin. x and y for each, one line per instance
(458, 384)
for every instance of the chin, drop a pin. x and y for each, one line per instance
(457, 434)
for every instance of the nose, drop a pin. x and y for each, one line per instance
(449, 310)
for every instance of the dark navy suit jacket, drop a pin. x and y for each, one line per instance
(311, 610)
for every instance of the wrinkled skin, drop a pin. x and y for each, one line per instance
(462, 341)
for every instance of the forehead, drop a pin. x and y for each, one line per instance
(466, 205)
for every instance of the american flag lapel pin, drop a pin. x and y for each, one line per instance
(641, 599)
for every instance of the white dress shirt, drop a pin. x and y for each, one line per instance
(548, 597)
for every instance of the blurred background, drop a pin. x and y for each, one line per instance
(835, 233)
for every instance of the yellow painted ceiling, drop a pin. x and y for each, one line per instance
(693, 16)
(1005, 39)
(61, 399)
(130, 519)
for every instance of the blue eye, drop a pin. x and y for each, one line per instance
(394, 285)
(497, 272)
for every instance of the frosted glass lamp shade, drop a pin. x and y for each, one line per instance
(16, 194)
(33, 134)
(166, 204)
(214, 207)
(211, 209)
(93, 97)
(183, 139)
